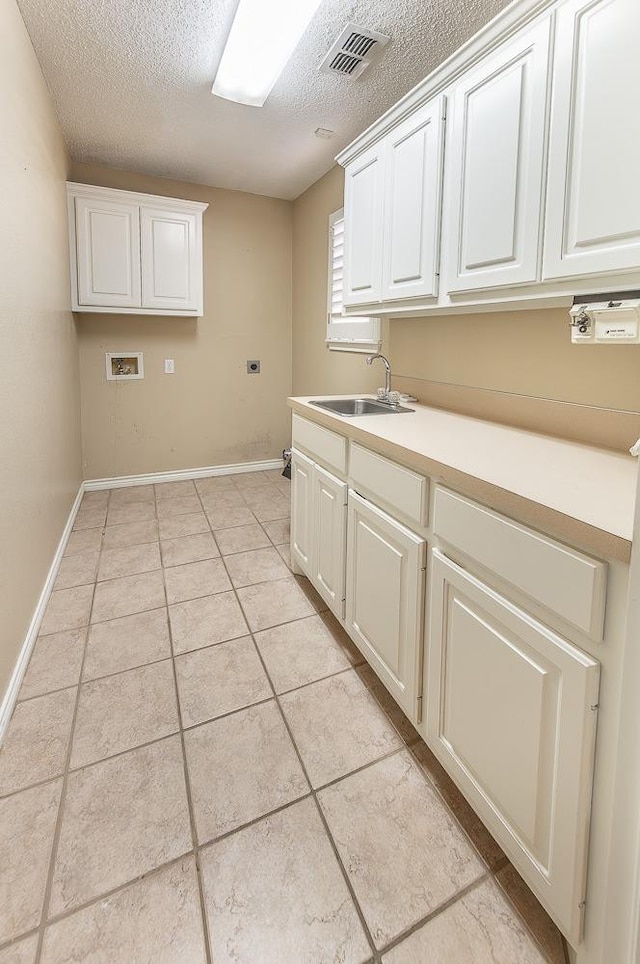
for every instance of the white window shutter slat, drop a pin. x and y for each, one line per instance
(360, 333)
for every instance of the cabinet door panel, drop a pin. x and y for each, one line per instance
(363, 210)
(329, 538)
(385, 576)
(511, 717)
(497, 154)
(170, 260)
(593, 212)
(301, 511)
(108, 253)
(412, 204)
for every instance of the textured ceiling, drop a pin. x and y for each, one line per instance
(131, 81)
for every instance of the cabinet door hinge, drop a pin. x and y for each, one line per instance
(419, 709)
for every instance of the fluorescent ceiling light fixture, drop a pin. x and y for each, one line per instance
(263, 36)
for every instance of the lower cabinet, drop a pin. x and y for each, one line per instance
(328, 527)
(134, 253)
(512, 711)
(510, 704)
(318, 528)
(385, 598)
(369, 569)
(301, 514)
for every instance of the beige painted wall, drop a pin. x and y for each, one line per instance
(315, 368)
(525, 353)
(520, 368)
(210, 412)
(39, 403)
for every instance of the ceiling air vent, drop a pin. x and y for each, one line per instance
(354, 50)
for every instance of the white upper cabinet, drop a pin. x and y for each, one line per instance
(108, 246)
(134, 253)
(413, 178)
(538, 175)
(170, 267)
(496, 161)
(363, 211)
(593, 208)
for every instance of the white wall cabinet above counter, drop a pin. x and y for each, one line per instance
(397, 183)
(527, 194)
(495, 165)
(593, 198)
(134, 253)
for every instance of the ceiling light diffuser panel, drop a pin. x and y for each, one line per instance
(262, 38)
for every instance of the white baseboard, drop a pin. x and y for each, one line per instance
(11, 695)
(180, 475)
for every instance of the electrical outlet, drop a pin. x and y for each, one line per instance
(253, 367)
(169, 366)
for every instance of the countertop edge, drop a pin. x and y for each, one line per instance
(536, 514)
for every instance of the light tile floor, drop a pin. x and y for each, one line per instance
(200, 767)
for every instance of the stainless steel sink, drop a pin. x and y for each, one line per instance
(349, 407)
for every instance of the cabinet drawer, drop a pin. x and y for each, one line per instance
(326, 446)
(563, 580)
(395, 486)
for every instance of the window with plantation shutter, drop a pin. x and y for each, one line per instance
(345, 334)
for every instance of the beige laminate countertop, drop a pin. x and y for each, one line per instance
(574, 491)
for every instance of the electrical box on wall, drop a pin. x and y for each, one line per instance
(615, 321)
(123, 366)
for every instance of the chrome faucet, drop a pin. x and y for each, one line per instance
(385, 361)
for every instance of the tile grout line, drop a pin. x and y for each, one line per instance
(210, 841)
(297, 752)
(64, 774)
(320, 679)
(499, 865)
(193, 726)
(356, 905)
(196, 845)
(213, 840)
(332, 844)
(360, 769)
(37, 696)
(436, 912)
(376, 957)
(181, 731)
(104, 895)
(490, 873)
(196, 726)
(55, 843)
(6, 945)
(206, 937)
